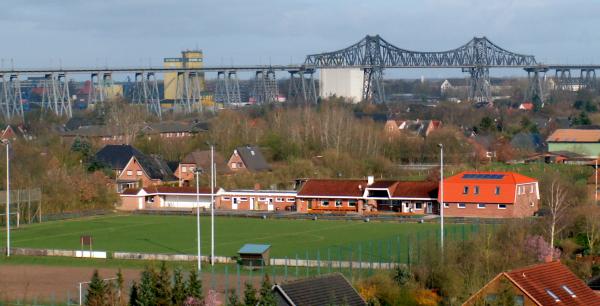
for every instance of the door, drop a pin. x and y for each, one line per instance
(270, 206)
(251, 203)
(234, 203)
(429, 208)
(405, 207)
(141, 203)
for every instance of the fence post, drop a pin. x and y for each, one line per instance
(306, 263)
(329, 260)
(296, 265)
(286, 268)
(408, 250)
(318, 262)
(340, 258)
(226, 280)
(359, 257)
(238, 292)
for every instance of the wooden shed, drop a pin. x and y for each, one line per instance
(254, 254)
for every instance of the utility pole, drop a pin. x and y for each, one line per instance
(441, 197)
(212, 205)
(197, 172)
(6, 143)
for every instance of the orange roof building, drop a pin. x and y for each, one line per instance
(543, 284)
(490, 195)
(582, 141)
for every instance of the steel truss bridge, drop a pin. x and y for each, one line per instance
(372, 54)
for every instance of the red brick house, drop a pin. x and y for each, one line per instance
(248, 158)
(266, 200)
(164, 197)
(417, 127)
(543, 284)
(198, 159)
(490, 195)
(145, 171)
(330, 195)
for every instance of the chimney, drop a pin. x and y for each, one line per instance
(370, 180)
(548, 258)
(256, 186)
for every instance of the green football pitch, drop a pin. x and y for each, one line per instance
(177, 235)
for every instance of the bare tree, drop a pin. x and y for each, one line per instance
(591, 226)
(557, 207)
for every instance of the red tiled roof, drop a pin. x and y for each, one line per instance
(325, 187)
(421, 189)
(535, 280)
(172, 189)
(131, 191)
(574, 135)
(507, 181)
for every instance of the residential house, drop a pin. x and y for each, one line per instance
(594, 284)
(332, 289)
(248, 158)
(490, 194)
(582, 141)
(419, 197)
(116, 157)
(145, 171)
(417, 127)
(95, 133)
(543, 284)
(170, 130)
(330, 195)
(199, 159)
(257, 200)
(164, 197)
(526, 106)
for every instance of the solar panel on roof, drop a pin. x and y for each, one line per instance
(483, 176)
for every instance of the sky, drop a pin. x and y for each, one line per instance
(76, 33)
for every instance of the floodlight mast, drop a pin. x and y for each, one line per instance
(197, 171)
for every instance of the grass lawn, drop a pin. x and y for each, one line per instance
(177, 234)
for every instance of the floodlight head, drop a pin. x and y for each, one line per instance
(5, 141)
(441, 146)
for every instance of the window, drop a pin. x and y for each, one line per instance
(446, 205)
(501, 206)
(553, 295)
(532, 188)
(519, 300)
(466, 190)
(233, 165)
(338, 203)
(226, 198)
(262, 199)
(129, 172)
(192, 169)
(235, 200)
(279, 199)
(291, 200)
(571, 293)
(352, 203)
(184, 169)
(461, 205)
(324, 203)
(497, 190)
(239, 165)
(476, 190)
(243, 199)
(418, 205)
(480, 205)
(139, 172)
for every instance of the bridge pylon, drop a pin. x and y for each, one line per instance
(145, 92)
(188, 91)
(265, 86)
(10, 96)
(536, 91)
(227, 90)
(55, 95)
(373, 89)
(302, 86)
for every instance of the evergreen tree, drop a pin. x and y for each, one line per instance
(120, 283)
(194, 286)
(146, 290)
(178, 291)
(250, 295)
(267, 298)
(133, 295)
(232, 299)
(96, 293)
(163, 286)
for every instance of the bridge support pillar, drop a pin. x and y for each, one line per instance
(479, 85)
(228, 88)
(302, 86)
(10, 96)
(265, 86)
(145, 91)
(188, 91)
(562, 79)
(587, 78)
(56, 96)
(536, 93)
(101, 85)
(373, 89)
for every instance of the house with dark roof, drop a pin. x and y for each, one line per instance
(199, 159)
(248, 158)
(490, 194)
(543, 284)
(333, 289)
(145, 171)
(417, 127)
(404, 196)
(333, 195)
(96, 133)
(170, 129)
(116, 156)
(169, 197)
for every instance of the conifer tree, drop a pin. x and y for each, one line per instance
(120, 283)
(178, 291)
(96, 293)
(163, 286)
(267, 298)
(133, 295)
(146, 289)
(194, 286)
(250, 295)
(232, 299)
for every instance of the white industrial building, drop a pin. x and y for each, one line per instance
(342, 82)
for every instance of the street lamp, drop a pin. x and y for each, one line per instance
(6, 143)
(198, 171)
(212, 203)
(441, 196)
